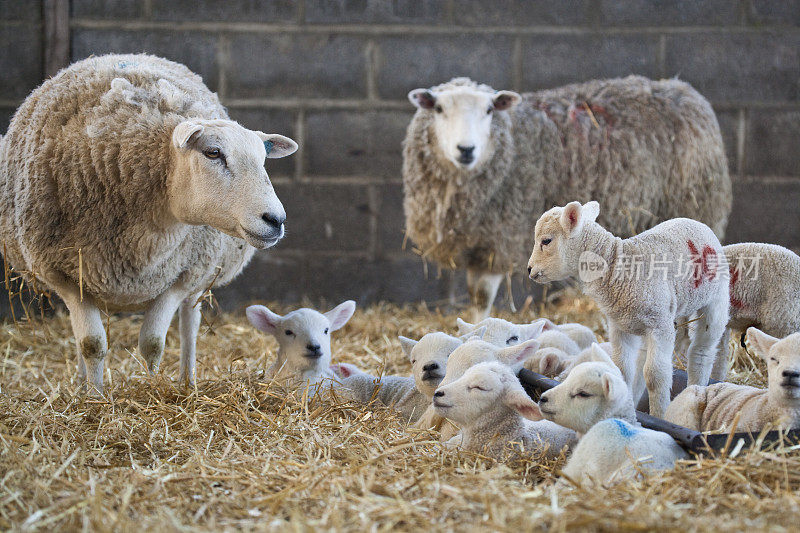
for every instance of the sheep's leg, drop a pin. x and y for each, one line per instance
(703, 350)
(720, 369)
(90, 336)
(188, 324)
(624, 353)
(483, 287)
(155, 325)
(658, 368)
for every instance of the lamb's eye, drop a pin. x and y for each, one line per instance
(438, 108)
(212, 153)
(326, 331)
(289, 333)
(773, 359)
(511, 339)
(581, 394)
(547, 241)
(413, 362)
(476, 387)
(489, 111)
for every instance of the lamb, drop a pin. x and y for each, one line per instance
(304, 340)
(582, 336)
(642, 284)
(150, 195)
(476, 159)
(490, 404)
(502, 332)
(595, 401)
(715, 407)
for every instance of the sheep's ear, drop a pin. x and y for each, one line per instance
(590, 212)
(184, 132)
(600, 355)
(340, 314)
(514, 355)
(464, 326)
(476, 334)
(422, 98)
(516, 398)
(549, 363)
(504, 100)
(407, 345)
(263, 319)
(548, 325)
(760, 341)
(532, 330)
(611, 389)
(571, 217)
(344, 370)
(277, 145)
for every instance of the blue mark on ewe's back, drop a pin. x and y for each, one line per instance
(625, 429)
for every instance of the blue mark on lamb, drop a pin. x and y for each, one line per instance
(625, 429)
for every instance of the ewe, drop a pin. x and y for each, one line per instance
(489, 404)
(714, 408)
(476, 159)
(304, 340)
(124, 186)
(642, 284)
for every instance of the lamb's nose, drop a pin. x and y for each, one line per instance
(542, 400)
(466, 151)
(275, 221)
(438, 394)
(430, 366)
(313, 347)
(529, 271)
(791, 374)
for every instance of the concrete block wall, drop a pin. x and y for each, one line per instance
(333, 74)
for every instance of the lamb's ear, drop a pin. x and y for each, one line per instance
(464, 326)
(590, 212)
(532, 330)
(476, 334)
(549, 363)
(760, 341)
(516, 398)
(277, 145)
(263, 319)
(611, 389)
(600, 355)
(407, 345)
(340, 314)
(571, 217)
(344, 370)
(515, 355)
(549, 325)
(184, 132)
(422, 98)
(504, 100)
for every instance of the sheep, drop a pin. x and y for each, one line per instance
(150, 194)
(304, 340)
(716, 406)
(596, 403)
(565, 367)
(582, 336)
(641, 284)
(502, 332)
(476, 159)
(490, 404)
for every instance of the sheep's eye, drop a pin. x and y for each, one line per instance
(581, 394)
(476, 387)
(289, 333)
(773, 359)
(438, 108)
(326, 331)
(413, 361)
(547, 241)
(212, 153)
(489, 111)
(511, 339)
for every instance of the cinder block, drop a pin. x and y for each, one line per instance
(357, 142)
(391, 219)
(268, 11)
(270, 276)
(405, 63)
(737, 66)
(325, 218)
(524, 13)
(21, 10)
(106, 9)
(271, 121)
(772, 12)
(771, 143)
(196, 50)
(375, 11)
(729, 127)
(5, 117)
(669, 13)
(297, 66)
(22, 69)
(752, 199)
(554, 60)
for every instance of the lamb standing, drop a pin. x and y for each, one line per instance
(125, 186)
(680, 271)
(304, 340)
(715, 407)
(476, 159)
(490, 405)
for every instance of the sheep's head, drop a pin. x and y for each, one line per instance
(558, 240)
(303, 335)
(428, 357)
(783, 364)
(462, 120)
(502, 332)
(482, 390)
(476, 351)
(217, 178)
(593, 391)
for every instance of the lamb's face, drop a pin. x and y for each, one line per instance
(429, 360)
(462, 121)
(218, 179)
(502, 332)
(783, 364)
(477, 351)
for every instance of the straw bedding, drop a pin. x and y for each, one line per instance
(239, 453)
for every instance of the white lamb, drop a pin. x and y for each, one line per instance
(490, 405)
(502, 332)
(304, 340)
(716, 406)
(642, 284)
(580, 334)
(595, 401)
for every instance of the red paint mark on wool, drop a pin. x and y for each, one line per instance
(704, 265)
(735, 302)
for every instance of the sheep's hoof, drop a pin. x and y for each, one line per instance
(152, 349)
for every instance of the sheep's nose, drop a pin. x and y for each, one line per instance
(275, 221)
(529, 271)
(466, 151)
(438, 394)
(542, 400)
(791, 374)
(312, 347)
(430, 366)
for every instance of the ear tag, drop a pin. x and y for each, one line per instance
(268, 146)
